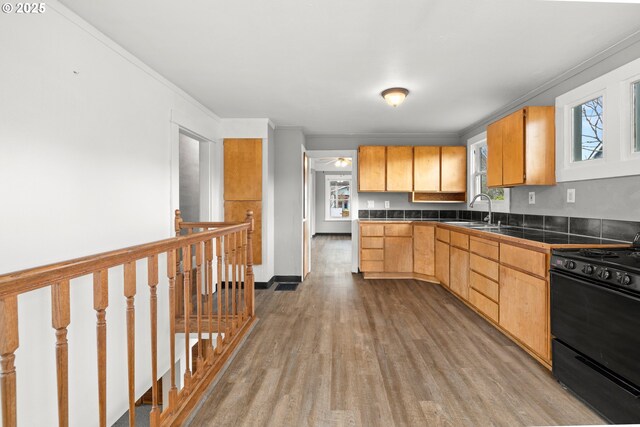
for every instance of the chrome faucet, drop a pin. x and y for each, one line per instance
(488, 218)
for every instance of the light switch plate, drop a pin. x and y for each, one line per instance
(369, 204)
(571, 195)
(386, 204)
(532, 197)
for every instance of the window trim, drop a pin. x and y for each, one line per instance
(481, 204)
(327, 195)
(619, 158)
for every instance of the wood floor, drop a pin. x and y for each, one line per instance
(344, 351)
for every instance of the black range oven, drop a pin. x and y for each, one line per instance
(595, 321)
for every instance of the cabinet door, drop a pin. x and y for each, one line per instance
(442, 262)
(371, 168)
(459, 272)
(523, 309)
(236, 211)
(424, 249)
(454, 169)
(398, 254)
(426, 169)
(400, 169)
(243, 169)
(513, 149)
(494, 154)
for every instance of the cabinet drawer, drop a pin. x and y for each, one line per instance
(442, 235)
(485, 267)
(372, 242)
(372, 230)
(524, 259)
(486, 248)
(460, 240)
(372, 266)
(398, 230)
(372, 255)
(484, 304)
(487, 287)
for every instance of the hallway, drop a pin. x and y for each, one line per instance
(344, 351)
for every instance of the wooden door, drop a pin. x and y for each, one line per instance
(424, 249)
(398, 254)
(400, 169)
(453, 175)
(494, 154)
(513, 149)
(372, 164)
(306, 224)
(523, 309)
(236, 211)
(426, 169)
(442, 262)
(459, 272)
(242, 169)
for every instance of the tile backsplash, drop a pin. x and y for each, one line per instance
(593, 227)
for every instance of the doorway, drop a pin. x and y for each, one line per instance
(332, 205)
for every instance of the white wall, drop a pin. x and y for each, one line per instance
(288, 201)
(86, 163)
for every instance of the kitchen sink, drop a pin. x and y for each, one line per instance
(485, 227)
(463, 223)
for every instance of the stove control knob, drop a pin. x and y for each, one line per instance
(625, 279)
(588, 269)
(570, 265)
(604, 274)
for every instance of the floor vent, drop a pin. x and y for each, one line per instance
(287, 286)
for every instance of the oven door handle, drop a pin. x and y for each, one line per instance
(620, 383)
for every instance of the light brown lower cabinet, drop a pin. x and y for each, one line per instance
(424, 249)
(459, 272)
(398, 254)
(523, 309)
(442, 262)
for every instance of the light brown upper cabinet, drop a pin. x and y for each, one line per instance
(372, 163)
(400, 169)
(426, 169)
(454, 169)
(521, 148)
(243, 169)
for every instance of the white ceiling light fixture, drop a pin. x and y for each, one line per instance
(395, 95)
(342, 162)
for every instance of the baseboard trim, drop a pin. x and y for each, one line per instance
(288, 279)
(331, 234)
(264, 285)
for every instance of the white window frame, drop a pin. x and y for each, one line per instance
(327, 195)
(618, 159)
(473, 184)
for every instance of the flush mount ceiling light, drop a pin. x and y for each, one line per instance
(341, 162)
(395, 95)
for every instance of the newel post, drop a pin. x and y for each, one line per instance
(177, 222)
(249, 279)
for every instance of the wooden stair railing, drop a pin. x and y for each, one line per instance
(224, 306)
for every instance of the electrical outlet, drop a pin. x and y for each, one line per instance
(386, 204)
(369, 204)
(571, 195)
(532, 197)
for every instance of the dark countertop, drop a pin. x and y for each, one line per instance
(541, 236)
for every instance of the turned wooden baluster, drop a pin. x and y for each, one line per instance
(129, 293)
(8, 347)
(239, 278)
(233, 282)
(186, 285)
(100, 304)
(60, 320)
(179, 304)
(152, 275)
(249, 279)
(208, 253)
(227, 242)
(171, 274)
(219, 294)
(199, 254)
(244, 273)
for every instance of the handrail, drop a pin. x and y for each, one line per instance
(224, 306)
(23, 281)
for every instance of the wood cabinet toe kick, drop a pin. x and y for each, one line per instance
(504, 279)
